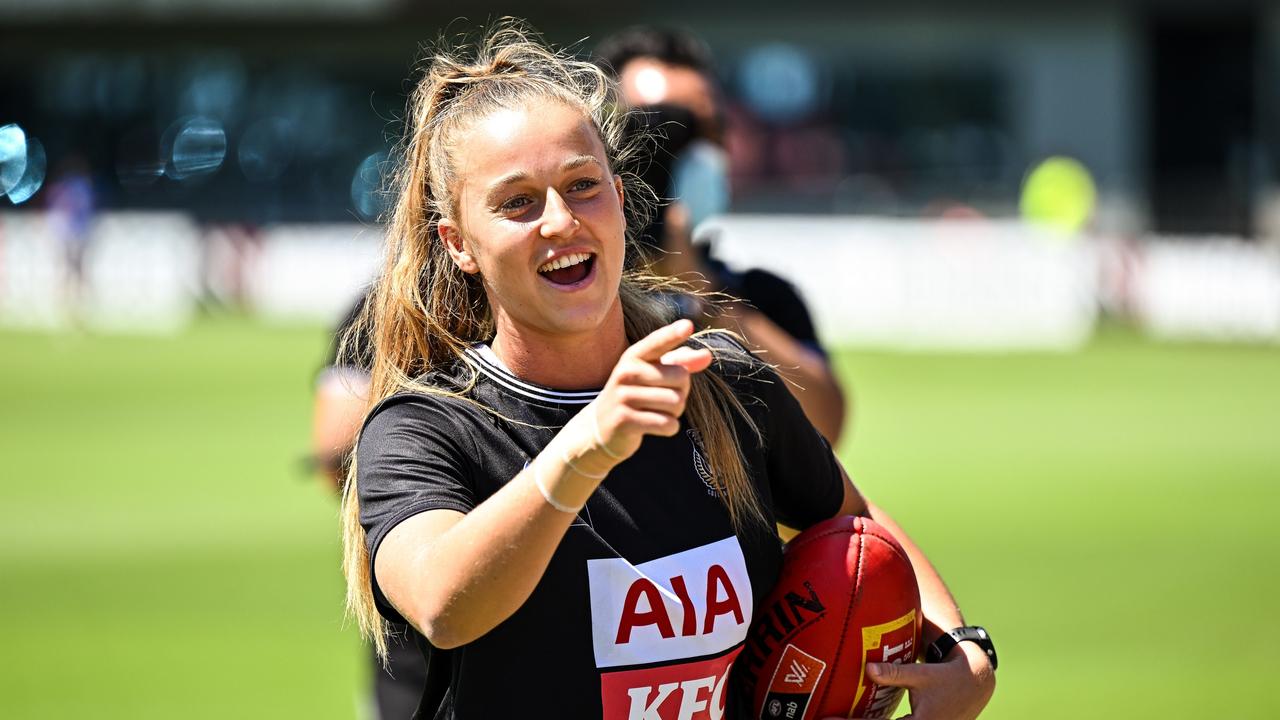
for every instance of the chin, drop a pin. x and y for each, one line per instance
(587, 317)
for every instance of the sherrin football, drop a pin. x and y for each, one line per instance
(846, 596)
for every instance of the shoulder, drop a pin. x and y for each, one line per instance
(768, 283)
(432, 403)
(782, 303)
(439, 412)
(772, 294)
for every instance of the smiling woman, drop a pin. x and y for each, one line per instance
(539, 217)
(567, 494)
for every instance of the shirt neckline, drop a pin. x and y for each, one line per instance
(489, 364)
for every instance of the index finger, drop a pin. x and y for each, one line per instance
(654, 345)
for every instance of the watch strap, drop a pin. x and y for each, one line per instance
(970, 633)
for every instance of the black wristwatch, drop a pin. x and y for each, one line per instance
(970, 633)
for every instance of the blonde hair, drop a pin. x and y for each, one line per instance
(423, 311)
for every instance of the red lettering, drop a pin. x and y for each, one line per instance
(655, 615)
(717, 576)
(690, 625)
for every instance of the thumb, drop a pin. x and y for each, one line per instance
(692, 359)
(895, 675)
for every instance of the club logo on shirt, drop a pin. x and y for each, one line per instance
(692, 604)
(700, 463)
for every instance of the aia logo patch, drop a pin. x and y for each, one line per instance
(792, 685)
(693, 603)
(700, 463)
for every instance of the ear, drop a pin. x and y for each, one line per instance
(617, 187)
(622, 202)
(451, 236)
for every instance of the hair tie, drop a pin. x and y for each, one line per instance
(546, 494)
(565, 457)
(595, 423)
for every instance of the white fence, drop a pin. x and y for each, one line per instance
(925, 284)
(911, 284)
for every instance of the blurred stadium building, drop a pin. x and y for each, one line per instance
(241, 146)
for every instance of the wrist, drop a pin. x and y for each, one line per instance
(563, 488)
(590, 462)
(962, 643)
(970, 654)
(578, 448)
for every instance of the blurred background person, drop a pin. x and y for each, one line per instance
(667, 75)
(338, 411)
(71, 202)
(341, 391)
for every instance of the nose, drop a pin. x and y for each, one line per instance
(557, 218)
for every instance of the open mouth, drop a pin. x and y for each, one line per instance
(567, 270)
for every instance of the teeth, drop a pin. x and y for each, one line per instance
(564, 262)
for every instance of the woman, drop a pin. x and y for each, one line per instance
(571, 499)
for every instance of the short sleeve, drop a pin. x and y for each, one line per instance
(804, 475)
(414, 455)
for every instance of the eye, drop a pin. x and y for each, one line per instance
(518, 202)
(584, 184)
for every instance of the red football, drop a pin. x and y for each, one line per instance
(847, 596)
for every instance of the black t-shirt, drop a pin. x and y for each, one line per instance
(648, 598)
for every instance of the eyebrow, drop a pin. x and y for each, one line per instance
(520, 176)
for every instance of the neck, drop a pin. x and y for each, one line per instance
(579, 361)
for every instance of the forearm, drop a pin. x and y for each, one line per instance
(482, 568)
(941, 612)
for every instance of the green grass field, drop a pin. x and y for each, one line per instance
(1108, 514)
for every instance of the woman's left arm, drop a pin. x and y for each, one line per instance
(957, 688)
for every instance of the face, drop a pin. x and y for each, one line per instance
(538, 216)
(645, 81)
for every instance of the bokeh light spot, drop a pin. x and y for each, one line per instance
(13, 157)
(33, 176)
(199, 147)
(215, 87)
(367, 194)
(651, 86)
(780, 81)
(1059, 193)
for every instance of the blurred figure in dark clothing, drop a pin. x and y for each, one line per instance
(667, 76)
(72, 202)
(341, 391)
